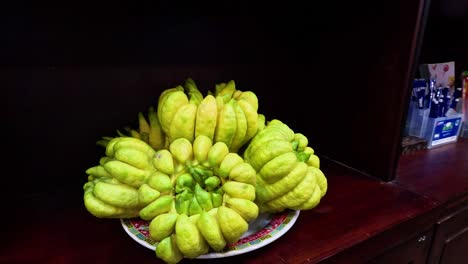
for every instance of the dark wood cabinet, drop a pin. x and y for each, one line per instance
(445, 243)
(338, 73)
(414, 251)
(450, 244)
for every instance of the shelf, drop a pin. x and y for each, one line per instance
(355, 209)
(440, 173)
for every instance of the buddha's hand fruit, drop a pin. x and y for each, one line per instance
(213, 199)
(105, 198)
(289, 175)
(238, 119)
(229, 115)
(177, 111)
(197, 197)
(125, 181)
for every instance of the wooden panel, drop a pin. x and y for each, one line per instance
(413, 251)
(451, 238)
(439, 172)
(454, 250)
(362, 74)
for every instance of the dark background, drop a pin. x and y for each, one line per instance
(336, 72)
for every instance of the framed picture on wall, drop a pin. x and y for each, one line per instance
(443, 73)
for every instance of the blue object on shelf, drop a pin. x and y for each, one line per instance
(443, 130)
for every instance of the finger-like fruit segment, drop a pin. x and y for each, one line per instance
(227, 90)
(241, 130)
(101, 209)
(217, 153)
(251, 98)
(146, 194)
(302, 141)
(271, 150)
(133, 157)
(301, 193)
(266, 192)
(143, 124)
(245, 208)
(229, 162)
(181, 150)
(98, 171)
(128, 142)
(168, 251)
(211, 231)
(239, 190)
(183, 124)
(212, 182)
(195, 95)
(119, 195)
(184, 182)
(103, 160)
(168, 109)
(201, 147)
(204, 198)
(162, 226)
(233, 226)
(156, 134)
(194, 207)
(243, 172)
(314, 161)
(160, 182)
(217, 199)
(207, 114)
(164, 95)
(227, 124)
(312, 202)
(164, 162)
(260, 122)
(261, 139)
(126, 173)
(321, 180)
(160, 206)
(189, 239)
(278, 167)
(251, 116)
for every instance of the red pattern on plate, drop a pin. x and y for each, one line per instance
(142, 226)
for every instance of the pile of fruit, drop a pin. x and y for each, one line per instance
(200, 168)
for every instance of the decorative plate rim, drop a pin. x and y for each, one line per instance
(278, 225)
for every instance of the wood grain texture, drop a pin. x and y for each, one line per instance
(450, 238)
(440, 173)
(355, 209)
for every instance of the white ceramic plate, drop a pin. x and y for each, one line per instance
(262, 231)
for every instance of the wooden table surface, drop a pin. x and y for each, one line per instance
(440, 173)
(357, 209)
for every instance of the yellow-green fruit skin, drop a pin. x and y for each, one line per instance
(117, 188)
(189, 239)
(289, 175)
(168, 251)
(233, 226)
(211, 231)
(162, 226)
(183, 172)
(196, 195)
